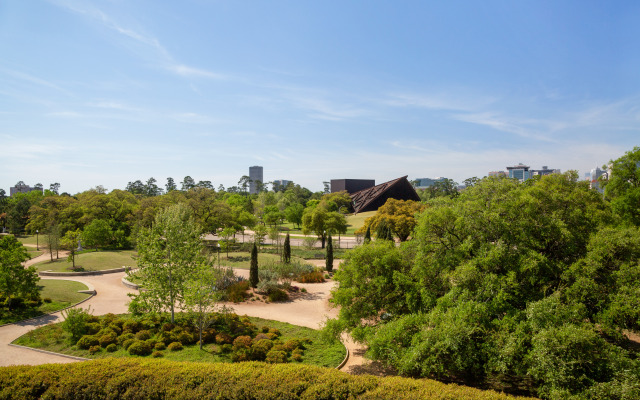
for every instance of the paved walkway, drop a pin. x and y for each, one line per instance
(309, 309)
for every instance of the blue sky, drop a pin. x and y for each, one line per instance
(107, 92)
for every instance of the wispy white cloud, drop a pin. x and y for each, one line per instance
(65, 114)
(184, 70)
(327, 110)
(32, 79)
(527, 127)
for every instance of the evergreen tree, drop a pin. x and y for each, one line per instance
(253, 269)
(367, 235)
(329, 258)
(286, 252)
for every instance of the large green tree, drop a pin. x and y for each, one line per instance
(622, 187)
(168, 252)
(16, 281)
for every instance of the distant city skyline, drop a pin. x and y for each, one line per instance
(105, 93)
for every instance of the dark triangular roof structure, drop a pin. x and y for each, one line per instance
(373, 198)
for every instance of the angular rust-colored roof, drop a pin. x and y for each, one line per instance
(373, 198)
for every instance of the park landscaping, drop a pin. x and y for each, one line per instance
(91, 261)
(56, 294)
(228, 338)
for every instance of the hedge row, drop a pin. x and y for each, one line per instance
(161, 379)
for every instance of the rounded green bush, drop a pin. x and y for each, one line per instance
(275, 357)
(185, 338)
(131, 325)
(175, 346)
(111, 348)
(87, 341)
(93, 327)
(160, 346)
(125, 336)
(127, 343)
(292, 344)
(108, 338)
(226, 348)
(94, 349)
(241, 342)
(143, 335)
(139, 348)
(157, 354)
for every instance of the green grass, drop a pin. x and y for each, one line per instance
(34, 253)
(62, 294)
(31, 239)
(91, 261)
(242, 259)
(54, 338)
(355, 222)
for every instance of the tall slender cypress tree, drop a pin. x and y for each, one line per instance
(286, 252)
(253, 269)
(367, 235)
(329, 257)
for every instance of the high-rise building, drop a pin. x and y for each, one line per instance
(255, 174)
(545, 171)
(594, 177)
(21, 187)
(520, 172)
(423, 183)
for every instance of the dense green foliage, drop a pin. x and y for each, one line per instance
(329, 258)
(18, 285)
(524, 287)
(154, 379)
(623, 186)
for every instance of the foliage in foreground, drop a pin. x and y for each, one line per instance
(525, 287)
(152, 379)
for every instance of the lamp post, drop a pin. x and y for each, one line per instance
(218, 246)
(37, 242)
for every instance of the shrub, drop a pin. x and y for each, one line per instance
(186, 338)
(226, 348)
(75, 322)
(139, 348)
(131, 325)
(87, 341)
(175, 346)
(297, 357)
(311, 277)
(260, 336)
(160, 346)
(108, 338)
(223, 338)
(93, 327)
(303, 290)
(275, 357)
(143, 335)
(157, 354)
(125, 336)
(94, 349)
(46, 300)
(168, 327)
(278, 295)
(242, 342)
(264, 329)
(260, 349)
(237, 292)
(111, 348)
(115, 328)
(292, 344)
(127, 343)
(272, 336)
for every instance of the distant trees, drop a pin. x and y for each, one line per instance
(320, 221)
(399, 216)
(622, 188)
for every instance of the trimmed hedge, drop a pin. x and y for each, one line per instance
(161, 379)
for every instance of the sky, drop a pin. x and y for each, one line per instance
(112, 91)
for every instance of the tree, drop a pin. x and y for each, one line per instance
(97, 234)
(54, 188)
(16, 281)
(622, 188)
(329, 256)
(253, 268)
(188, 183)
(170, 185)
(397, 215)
(286, 251)
(136, 187)
(71, 241)
(201, 294)
(293, 213)
(168, 252)
(151, 188)
(367, 235)
(53, 239)
(244, 182)
(320, 221)
(18, 214)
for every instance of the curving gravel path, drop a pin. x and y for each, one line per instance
(309, 309)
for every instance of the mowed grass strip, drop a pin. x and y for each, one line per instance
(62, 294)
(91, 261)
(242, 259)
(34, 240)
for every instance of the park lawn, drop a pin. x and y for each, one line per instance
(40, 239)
(61, 293)
(355, 222)
(34, 253)
(91, 261)
(242, 259)
(54, 338)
